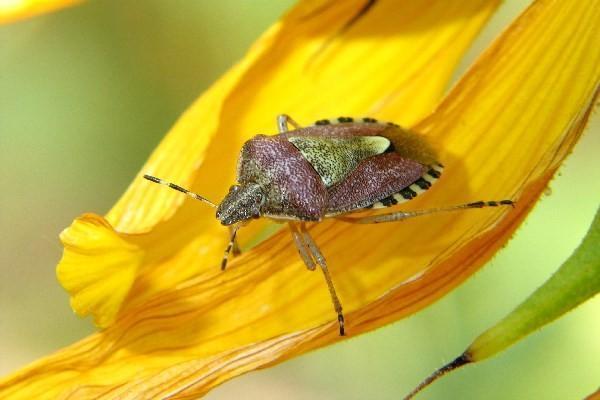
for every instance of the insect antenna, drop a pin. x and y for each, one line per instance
(180, 189)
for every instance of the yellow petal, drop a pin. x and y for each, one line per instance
(97, 267)
(13, 10)
(399, 56)
(402, 58)
(266, 308)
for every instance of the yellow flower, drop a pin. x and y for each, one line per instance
(149, 271)
(12, 10)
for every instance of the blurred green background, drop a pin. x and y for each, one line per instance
(86, 93)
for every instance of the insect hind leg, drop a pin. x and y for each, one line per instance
(402, 215)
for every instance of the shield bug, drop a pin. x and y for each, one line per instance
(330, 169)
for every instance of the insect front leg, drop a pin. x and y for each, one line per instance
(320, 260)
(230, 246)
(235, 250)
(402, 215)
(283, 120)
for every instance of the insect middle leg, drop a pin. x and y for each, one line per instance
(283, 122)
(302, 247)
(310, 253)
(402, 215)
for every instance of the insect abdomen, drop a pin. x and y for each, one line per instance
(351, 120)
(419, 186)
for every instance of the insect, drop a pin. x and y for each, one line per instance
(328, 170)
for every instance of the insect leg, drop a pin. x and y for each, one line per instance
(401, 215)
(236, 251)
(302, 247)
(316, 253)
(229, 247)
(283, 120)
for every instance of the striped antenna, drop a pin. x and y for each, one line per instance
(180, 189)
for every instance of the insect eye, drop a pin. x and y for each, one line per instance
(234, 188)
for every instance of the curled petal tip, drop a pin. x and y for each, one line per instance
(98, 268)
